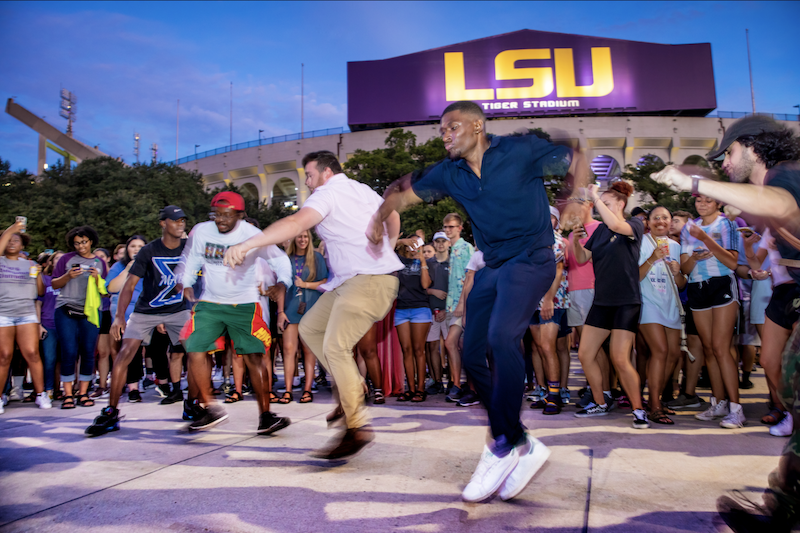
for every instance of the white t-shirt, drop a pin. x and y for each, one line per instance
(779, 273)
(346, 207)
(476, 262)
(659, 304)
(222, 284)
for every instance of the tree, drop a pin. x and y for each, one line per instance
(658, 194)
(117, 200)
(402, 155)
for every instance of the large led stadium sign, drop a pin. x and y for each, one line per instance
(533, 73)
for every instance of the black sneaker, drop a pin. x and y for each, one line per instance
(134, 396)
(455, 395)
(213, 415)
(147, 382)
(173, 397)
(468, 399)
(107, 422)
(269, 423)
(592, 410)
(192, 410)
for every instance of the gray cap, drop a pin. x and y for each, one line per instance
(744, 127)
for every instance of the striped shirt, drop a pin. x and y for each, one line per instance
(724, 233)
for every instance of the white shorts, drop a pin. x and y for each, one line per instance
(10, 321)
(579, 304)
(438, 329)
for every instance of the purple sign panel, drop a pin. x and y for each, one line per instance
(529, 73)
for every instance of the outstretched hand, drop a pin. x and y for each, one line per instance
(673, 178)
(375, 229)
(234, 255)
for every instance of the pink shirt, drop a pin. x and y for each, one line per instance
(581, 277)
(346, 207)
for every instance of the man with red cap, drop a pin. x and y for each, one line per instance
(230, 303)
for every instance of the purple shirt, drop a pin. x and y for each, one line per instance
(48, 302)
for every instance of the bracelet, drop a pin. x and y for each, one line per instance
(695, 185)
(425, 267)
(648, 262)
(281, 313)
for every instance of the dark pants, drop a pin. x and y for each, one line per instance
(78, 337)
(499, 310)
(158, 352)
(49, 351)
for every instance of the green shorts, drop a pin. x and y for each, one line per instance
(244, 324)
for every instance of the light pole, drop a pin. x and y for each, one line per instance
(798, 109)
(196, 146)
(262, 131)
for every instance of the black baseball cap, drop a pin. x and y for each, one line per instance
(172, 212)
(744, 127)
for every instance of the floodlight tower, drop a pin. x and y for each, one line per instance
(154, 150)
(136, 146)
(67, 111)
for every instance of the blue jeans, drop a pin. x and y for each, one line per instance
(49, 351)
(77, 337)
(499, 310)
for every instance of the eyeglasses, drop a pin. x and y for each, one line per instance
(82, 243)
(451, 227)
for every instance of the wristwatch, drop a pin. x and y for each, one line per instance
(695, 184)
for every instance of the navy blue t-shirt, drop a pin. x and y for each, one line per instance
(155, 264)
(615, 258)
(507, 205)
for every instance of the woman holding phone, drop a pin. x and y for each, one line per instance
(709, 255)
(660, 322)
(77, 336)
(614, 251)
(20, 283)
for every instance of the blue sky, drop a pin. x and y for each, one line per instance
(129, 62)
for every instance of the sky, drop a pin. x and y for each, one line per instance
(130, 62)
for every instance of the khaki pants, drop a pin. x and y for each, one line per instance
(335, 324)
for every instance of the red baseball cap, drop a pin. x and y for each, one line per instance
(231, 198)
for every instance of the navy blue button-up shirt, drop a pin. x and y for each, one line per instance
(507, 205)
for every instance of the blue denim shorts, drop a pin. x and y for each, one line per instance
(418, 315)
(536, 320)
(9, 321)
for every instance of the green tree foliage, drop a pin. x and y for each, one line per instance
(657, 193)
(402, 155)
(115, 199)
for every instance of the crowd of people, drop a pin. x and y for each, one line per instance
(654, 299)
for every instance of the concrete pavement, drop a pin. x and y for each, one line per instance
(602, 476)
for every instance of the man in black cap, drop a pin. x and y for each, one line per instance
(761, 159)
(159, 303)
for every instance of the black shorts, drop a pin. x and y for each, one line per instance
(691, 329)
(784, 306)
(563, 328)
(105, 322)
(610, 317)
(713, 292)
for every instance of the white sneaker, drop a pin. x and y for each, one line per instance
(43, 401)
(490, 474)
(784, 427)
(526, 468)
(640, 420)
(735, 418)
(717, 410)
(3, 400)
(14, 395)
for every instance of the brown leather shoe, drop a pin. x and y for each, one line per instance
(335, 415)
(348, 445)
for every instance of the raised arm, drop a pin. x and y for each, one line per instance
(16, 227)
(609, 218)
(280, 231)
(398, 197)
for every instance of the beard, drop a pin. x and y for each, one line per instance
(740, 172)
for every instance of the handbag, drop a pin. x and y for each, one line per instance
(681, 311)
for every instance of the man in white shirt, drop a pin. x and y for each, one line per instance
(230, 303)
(359, 292)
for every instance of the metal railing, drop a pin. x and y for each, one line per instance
(262, 142)
(742, 114)
(336, 131)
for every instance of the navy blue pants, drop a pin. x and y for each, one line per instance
(499, 310)
(78, 338)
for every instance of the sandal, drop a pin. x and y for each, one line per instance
(774, 416)
(405, 397)
(234, 397)
(378, 398)
(273, 398)
(30, 398)
(660, 417)
(287, 397)
(307, 397)
(335, 415)
(418, 397)
(68, 402)
(84, 400)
